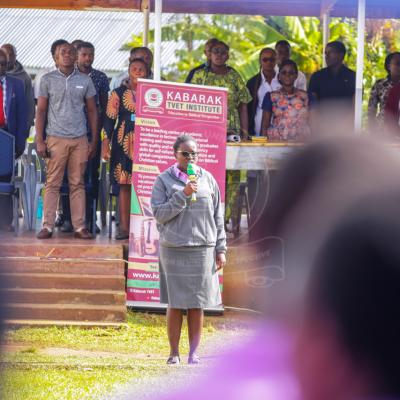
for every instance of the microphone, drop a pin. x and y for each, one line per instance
(193, 178)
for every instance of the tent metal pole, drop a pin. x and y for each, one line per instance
(326, 19)
(146, 19)
(157, 40)
(360, 65)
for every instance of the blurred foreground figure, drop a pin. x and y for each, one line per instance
(349, 344)
(312, 352)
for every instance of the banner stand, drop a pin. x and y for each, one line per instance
(164, 111)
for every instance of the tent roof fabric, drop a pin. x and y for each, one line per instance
(339, 8)
(33, 31)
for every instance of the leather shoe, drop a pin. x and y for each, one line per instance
(83, 234)
(44, 234)
(122, 235)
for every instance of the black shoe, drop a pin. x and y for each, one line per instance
(66, 227)
(121, 235)
(59, 220)
(97, 228)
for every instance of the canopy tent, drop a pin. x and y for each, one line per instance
(338, 8)
(323, 8)
(361, 9)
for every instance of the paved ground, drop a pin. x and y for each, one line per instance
(176, 377)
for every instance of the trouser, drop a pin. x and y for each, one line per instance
(73, 155)
(231, 196)
(92, 177)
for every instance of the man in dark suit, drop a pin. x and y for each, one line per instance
(14, 120)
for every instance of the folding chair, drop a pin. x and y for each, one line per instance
(114, 192)
(104, 191)
(242, 201)
(7, 169)
(28, 185)
(89, 188)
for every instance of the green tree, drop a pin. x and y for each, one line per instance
(247, 35)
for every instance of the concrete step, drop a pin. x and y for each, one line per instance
(64, 296)
(72, 312)
(42, 249)
(62, 281)
(61, 323)
(62, 266)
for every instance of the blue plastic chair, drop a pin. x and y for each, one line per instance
(7, 168)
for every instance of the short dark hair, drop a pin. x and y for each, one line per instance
(77, 42)
(389, 59)
(338, 46)
(55, 44)
(283, 43)
(85, 45)
(183, 139)
(266, 49)
(291, 63)
(210, 42)
(141, 48)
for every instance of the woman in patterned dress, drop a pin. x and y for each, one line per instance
(119, 126)
(286, 111)
(380, 91)
(221, 75)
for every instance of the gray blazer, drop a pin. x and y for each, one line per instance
(182, 222)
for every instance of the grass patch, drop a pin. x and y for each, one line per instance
(69, 384)
(30, 350)
(143, 334)
(75, 363)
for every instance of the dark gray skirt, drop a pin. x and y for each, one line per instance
(188, 277)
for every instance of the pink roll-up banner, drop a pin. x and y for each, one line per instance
(164, 111)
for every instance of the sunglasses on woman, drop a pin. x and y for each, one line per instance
(188, 154)
(268, 59)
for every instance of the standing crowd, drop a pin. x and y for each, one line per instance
(80, 117)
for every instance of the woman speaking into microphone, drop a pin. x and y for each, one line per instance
(190, 220)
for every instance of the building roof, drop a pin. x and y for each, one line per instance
(33, 31)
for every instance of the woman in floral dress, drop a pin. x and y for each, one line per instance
(286, 111)
(119, 126)
(221, 75)
(380, 92)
